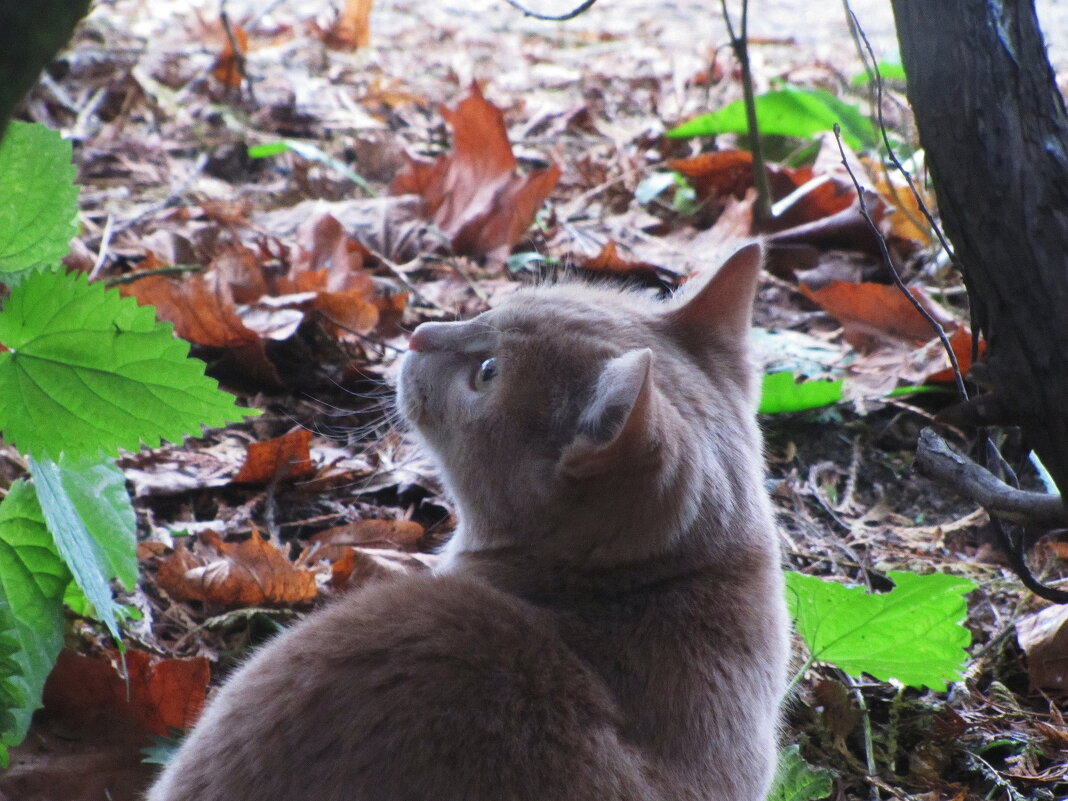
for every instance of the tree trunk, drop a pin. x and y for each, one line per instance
(994, 129)
(31, 31)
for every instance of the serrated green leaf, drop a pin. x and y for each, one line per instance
(89, 371)
(796, 780)
(786, 112)
(87, 559)
(38, 197)
(911, 634)
(32, 579)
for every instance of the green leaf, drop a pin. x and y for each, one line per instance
(32, 579)
(792, 112)
(911, 634)
(38, 198)
(308, 151)
(782, 392)
(888, 71)
(91, 371)
(88, 559)
(267, 150)
(796, 780)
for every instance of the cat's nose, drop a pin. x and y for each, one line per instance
(428, 336)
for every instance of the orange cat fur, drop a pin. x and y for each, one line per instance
(609, 622)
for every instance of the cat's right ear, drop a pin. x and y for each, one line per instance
(725, 303)
(616, 420)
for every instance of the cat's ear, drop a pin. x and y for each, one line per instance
(616, 419)
(725, 303)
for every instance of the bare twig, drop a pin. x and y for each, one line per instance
(740, 46)
(584, 6)
(935, 325)
(938, 461)
(238, 54)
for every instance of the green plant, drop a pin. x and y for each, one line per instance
(83, 373)
(789, 111)
(796, 780)
(912, 634)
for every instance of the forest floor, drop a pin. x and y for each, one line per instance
(306, 320)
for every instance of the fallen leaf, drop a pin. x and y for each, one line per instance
(474, 194)
(353, 27)
(330, 263)
(961, 342)
(202, 313)
(869, 312)
(1044, 638)
(249, 573)
(227, 69)
(284, 457)
(163, 694)
(715, 175)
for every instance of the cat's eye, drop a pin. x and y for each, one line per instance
(486, 371)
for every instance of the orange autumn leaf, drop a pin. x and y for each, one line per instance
(724, 172)
(869, 311)
(227, 69)
(474, 193)
(353, 27)
(284, 457)
(164, 694)
(249, 573)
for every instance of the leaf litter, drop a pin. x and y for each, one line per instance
(295, 207)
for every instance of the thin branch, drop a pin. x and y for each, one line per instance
(935, 325)
(740, 46)
(137, 275)
(584, 6)
(937, 460)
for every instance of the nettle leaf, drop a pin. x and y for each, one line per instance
(792, 112)
(79, 528)
(32, 580)
(796, 780)
(89, 371)
(38, 197)
(911, 634)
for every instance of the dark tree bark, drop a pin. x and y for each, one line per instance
(31, 32)
(994, 129)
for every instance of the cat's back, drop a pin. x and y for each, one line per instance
(420, 687)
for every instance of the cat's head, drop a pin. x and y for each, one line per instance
(589, 424)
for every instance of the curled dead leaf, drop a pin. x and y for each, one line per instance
(249, 573)
(1044, 638)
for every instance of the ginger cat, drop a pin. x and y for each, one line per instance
(609, 625)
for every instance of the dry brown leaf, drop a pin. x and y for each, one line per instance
(474, 194)
(249, 573)
(284, 457)
(715, 175)
(961, 342)
(201, 313)
(869, 312)
(164, 694)
(330, 263)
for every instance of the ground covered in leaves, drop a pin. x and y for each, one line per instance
(297, 209)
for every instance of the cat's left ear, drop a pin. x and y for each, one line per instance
(616, 421)
(725, 303)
